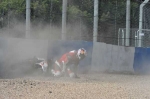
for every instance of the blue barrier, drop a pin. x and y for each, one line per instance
(142, 60)
(58, 48)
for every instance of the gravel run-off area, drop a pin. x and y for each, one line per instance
(88, 86)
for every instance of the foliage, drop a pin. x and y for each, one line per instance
(42, 10)
(112, 12)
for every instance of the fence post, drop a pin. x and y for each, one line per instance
(127, 22)
(64, 11)
(28, 11)
(95, 30)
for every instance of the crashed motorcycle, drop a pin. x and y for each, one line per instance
(40, 64)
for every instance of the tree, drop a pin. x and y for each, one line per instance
(112, 13)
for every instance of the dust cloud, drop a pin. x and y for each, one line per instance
(18, 50)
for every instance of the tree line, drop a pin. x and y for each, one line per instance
(111, 12)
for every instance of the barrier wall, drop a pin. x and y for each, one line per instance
(111, 58)
(142, 60)
(3, 47)
(16, 51)
(101, 57)
(26, 48)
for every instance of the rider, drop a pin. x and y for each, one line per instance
(63, 65)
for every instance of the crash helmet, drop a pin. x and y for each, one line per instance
(81, 53)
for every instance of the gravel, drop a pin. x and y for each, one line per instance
(89, 86)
